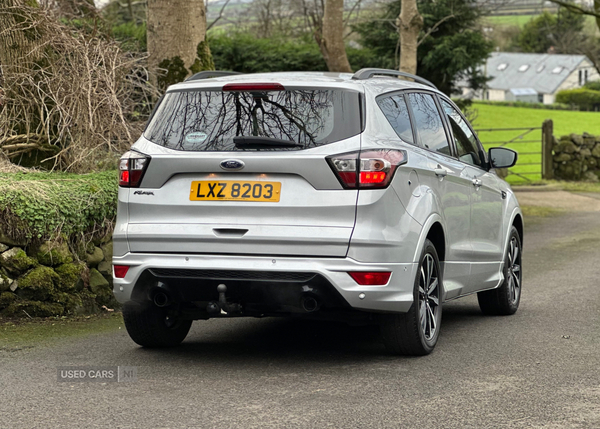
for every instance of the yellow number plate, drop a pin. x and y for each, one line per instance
(228, 190)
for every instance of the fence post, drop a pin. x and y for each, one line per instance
(547, 141)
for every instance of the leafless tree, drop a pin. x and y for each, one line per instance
(65, 94)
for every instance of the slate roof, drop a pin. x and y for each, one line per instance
(542, 73)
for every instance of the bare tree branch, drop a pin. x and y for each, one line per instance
(575, 8)
(434, 28)
(354, 6)
(218, 17)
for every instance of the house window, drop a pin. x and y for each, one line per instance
(523, 68)
(502, 67)
(540, 68)
(585, 77)
(540, 98)
(557, 70)
(580, 77)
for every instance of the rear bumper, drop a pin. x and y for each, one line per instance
(396, 296)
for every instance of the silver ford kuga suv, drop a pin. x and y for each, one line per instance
(362, 197)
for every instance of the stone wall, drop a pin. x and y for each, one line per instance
(577, 157)
(52, 279)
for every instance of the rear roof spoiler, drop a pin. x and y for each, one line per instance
(211, 73)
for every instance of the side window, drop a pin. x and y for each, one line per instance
(465, 140)
(428, 123)
(395, 110)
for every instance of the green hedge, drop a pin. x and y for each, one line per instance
(584, 99)
(245, 53)
(594, 85)
(41, 206)
(555, 106)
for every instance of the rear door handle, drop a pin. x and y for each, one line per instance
(440, 172)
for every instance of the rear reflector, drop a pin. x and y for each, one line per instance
(253, 87)
(372, 168)
(120, 271)
(371, 279)
(131, 169)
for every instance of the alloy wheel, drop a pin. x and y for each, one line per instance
(514, 270)
(429, 297)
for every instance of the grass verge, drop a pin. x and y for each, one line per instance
(18, 334)
(564, 186)
(539, 212)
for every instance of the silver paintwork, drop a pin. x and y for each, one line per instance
(318, 226)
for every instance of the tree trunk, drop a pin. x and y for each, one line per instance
(410, 23)
(17, 38)
(597, 10)
(176, 32)
(331, 41)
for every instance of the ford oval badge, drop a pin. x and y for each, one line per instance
(232, 165)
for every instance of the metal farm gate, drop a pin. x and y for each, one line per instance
(535, 152)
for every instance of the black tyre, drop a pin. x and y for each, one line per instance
(505, 299)
(152, 326)
(416, 332)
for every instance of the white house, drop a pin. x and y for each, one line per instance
(532, 77)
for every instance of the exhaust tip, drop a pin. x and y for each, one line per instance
(310, 304)
(161, 299)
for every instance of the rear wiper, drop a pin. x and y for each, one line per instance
(259, 142)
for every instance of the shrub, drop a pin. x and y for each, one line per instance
(44, 206)
(585, 99)
(593, 85)
(245, 53)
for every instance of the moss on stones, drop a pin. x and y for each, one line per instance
(72, 303)
(38, 284)
(7, 298)
(107, 249)
(94, 258)
(53, 254)
(69, 277)
(102, 289)
(33, 309)
(16, 261)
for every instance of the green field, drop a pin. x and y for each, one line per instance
(509, 20)
(528, 144)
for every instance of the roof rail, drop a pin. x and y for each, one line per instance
(368, 73)
(210, 73)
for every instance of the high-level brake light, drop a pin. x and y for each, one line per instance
(253, 87)
(131, 168)
(367, 169)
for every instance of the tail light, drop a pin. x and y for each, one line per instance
(367, 169)
(131, 169)
(371, 279)
(120, 271)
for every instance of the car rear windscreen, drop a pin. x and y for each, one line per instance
(194, 120)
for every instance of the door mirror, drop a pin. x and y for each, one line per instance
(501, 157)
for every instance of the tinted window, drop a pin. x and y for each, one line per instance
(209, 120)
(465, 140)
(395, 110)
(428, 123)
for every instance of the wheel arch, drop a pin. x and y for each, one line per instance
(433, 230)
(518, 223)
